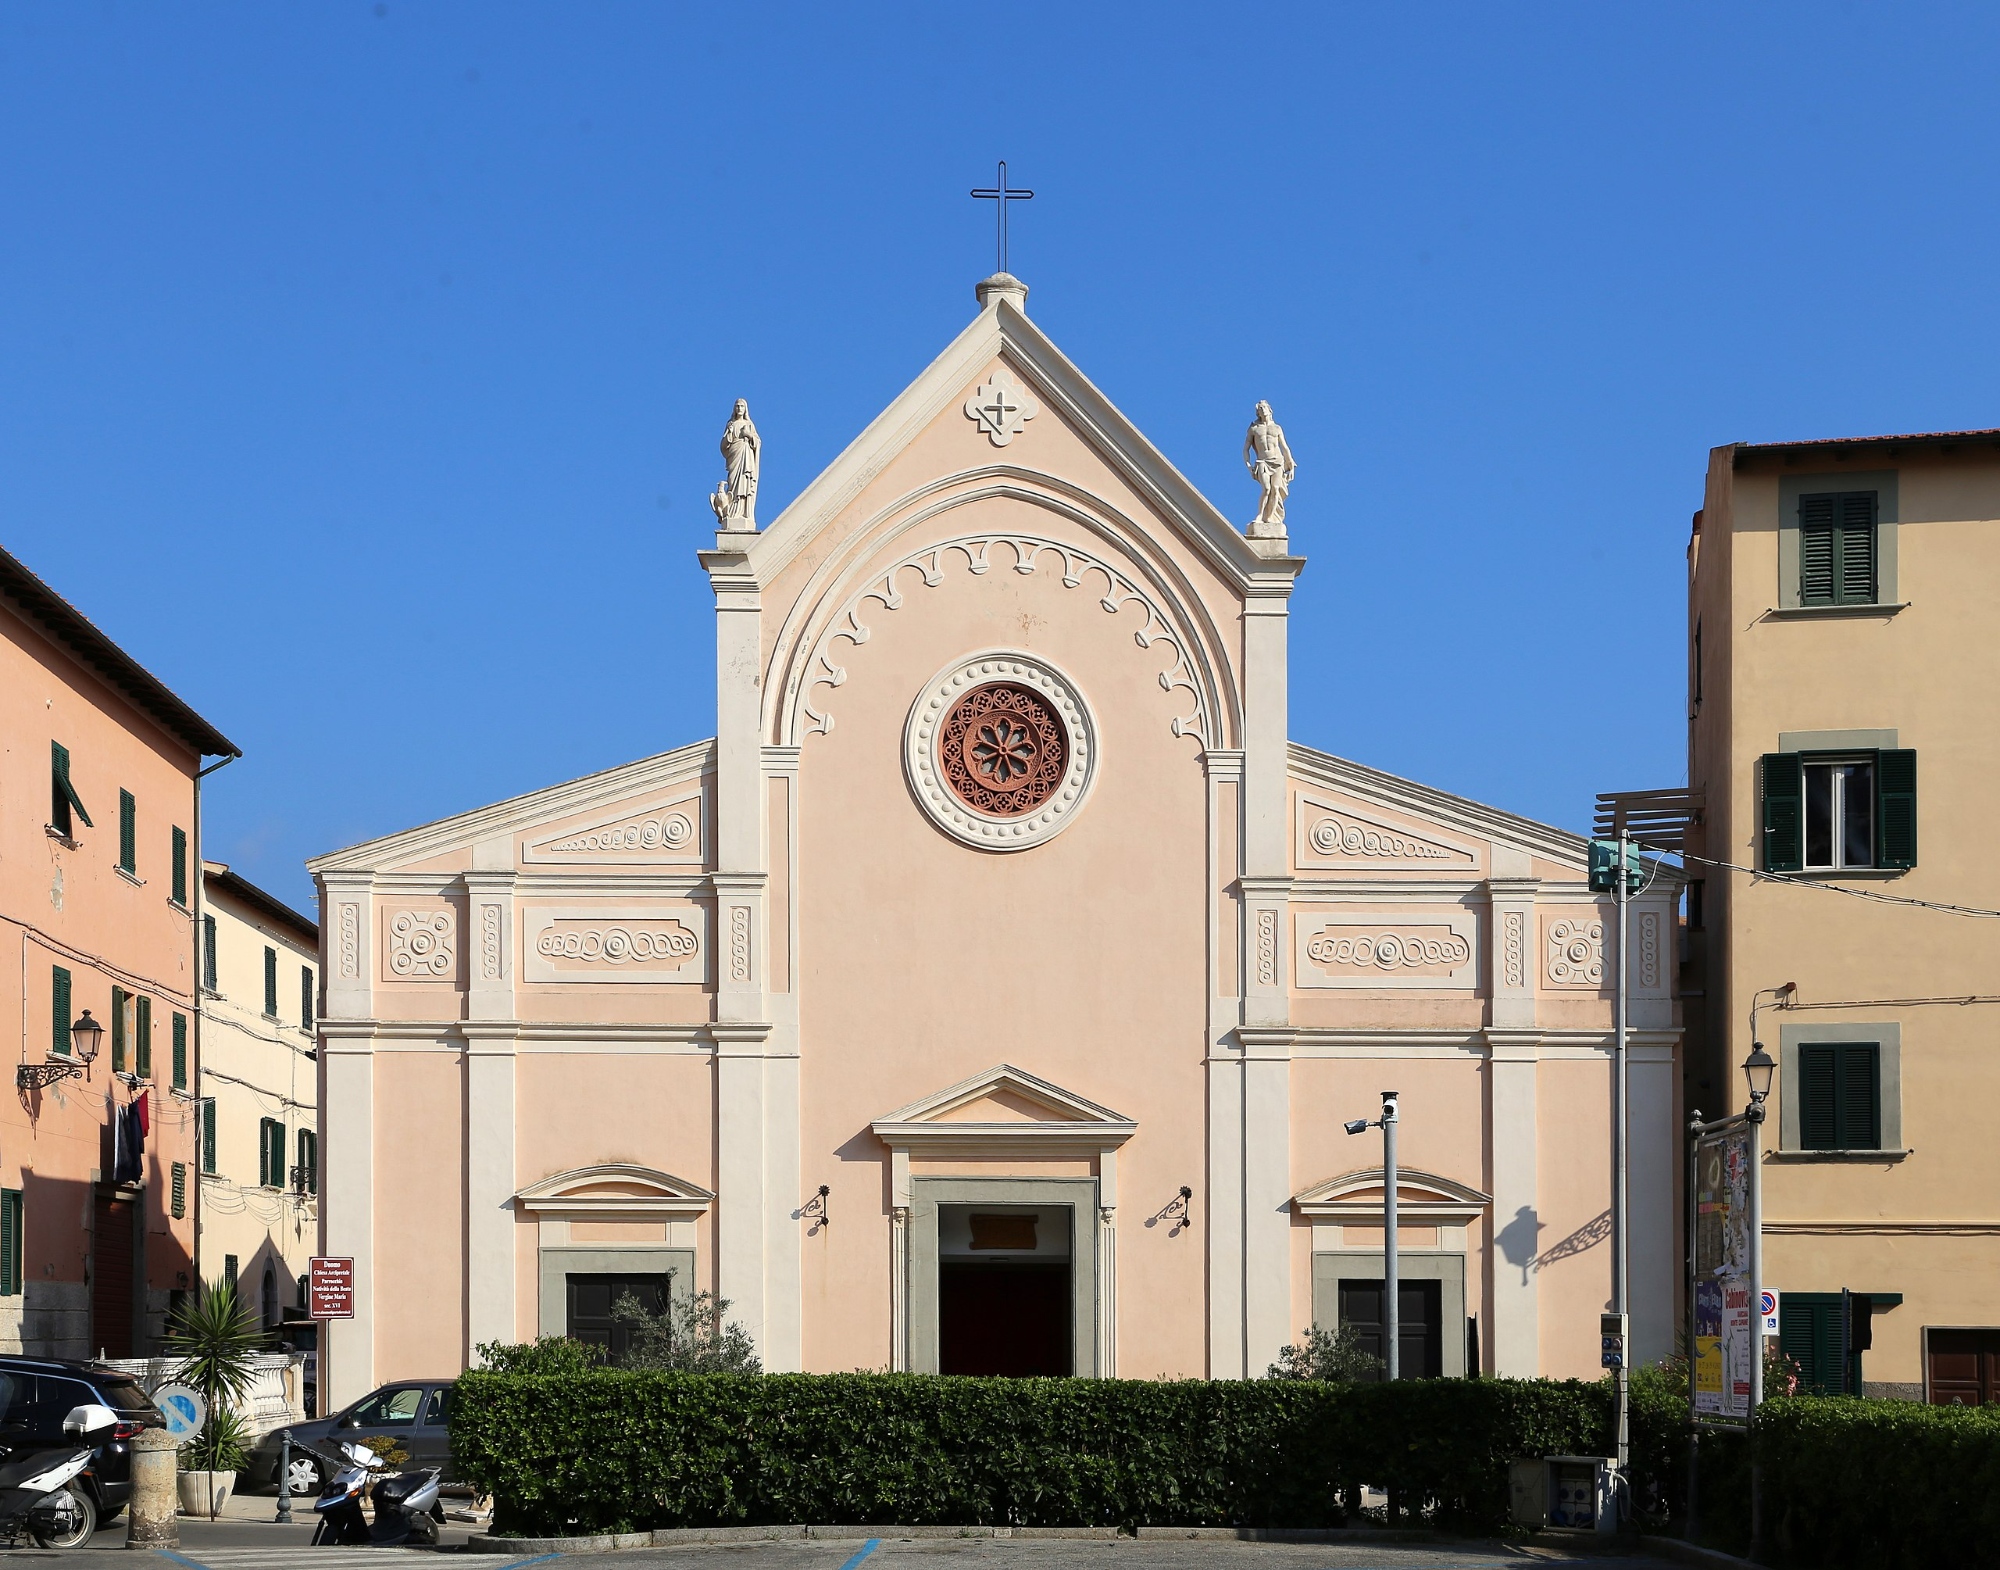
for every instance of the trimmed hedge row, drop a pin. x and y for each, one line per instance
(619, 1451)
(1880, 1484)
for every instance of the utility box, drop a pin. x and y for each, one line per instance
(1576, 1493)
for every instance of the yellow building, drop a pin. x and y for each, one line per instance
(259, 1089)
(1842, 680)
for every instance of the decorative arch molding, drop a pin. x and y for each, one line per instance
(614, 1188)
(835, 604)
(1422, 1199)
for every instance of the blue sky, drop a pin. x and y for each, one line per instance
(337, 340)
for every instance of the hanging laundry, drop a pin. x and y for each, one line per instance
(129, 1157)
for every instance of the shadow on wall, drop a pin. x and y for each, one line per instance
(1518, 1240)
(1594, 1231)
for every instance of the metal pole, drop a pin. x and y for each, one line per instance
(285, 1476)
(1621, 1271)
(1691, 1219)
(1756, 1120)
(1393, 1319)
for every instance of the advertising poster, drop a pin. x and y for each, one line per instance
(1725, 1342)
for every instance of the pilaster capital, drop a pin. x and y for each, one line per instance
(739, 1038)
(1264, 888)
(1271, 1043)
(1223, 763)
(739, 885)
(1513, 1046)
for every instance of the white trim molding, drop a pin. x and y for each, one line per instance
(1423, 1199)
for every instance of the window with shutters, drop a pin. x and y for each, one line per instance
(207, 1105)
(305, 997)
(142, 1038)
(180, 856)
(1809, 1334)
(1840, 1095)
(1837, 548)
(1833, 812)
(178, 1201)
(59, 1007)
(120, 1042)
(208, 954)
(128, 832)
(10, 1242)
(271, 983)
(63, 799)
(180, 1051)
(270, 1153)
(229, 1269)
(308, 1164)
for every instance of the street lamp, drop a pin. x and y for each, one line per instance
(1392, 1327)
(1758, 1069)
(85, 1036)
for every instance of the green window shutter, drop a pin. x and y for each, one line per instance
(1783, 787)
(10, 1242)
(1896, 808)
(1819, 1096)
(64, 798)
(180, 1194)
(208, 952)
(305, 997)
(208, 1134)
(59, 996)
(1857, 548)
(271, 982)
(180, 1051)
(229, 1270)
(142, 1049)
(128, 831)
(1858, 1093)
(274, 1159)
(308, 1161)
(1809, 1334)
(180, 867)
(1818, 550)
(118, 1030)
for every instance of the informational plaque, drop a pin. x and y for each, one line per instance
(1724, 1339)
(330, 1288)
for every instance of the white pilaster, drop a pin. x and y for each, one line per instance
(347, 1203)
(490, 1032)
(1514, 1339)
(1267, 1196)
(1652, 1169)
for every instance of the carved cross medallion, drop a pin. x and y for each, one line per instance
(1000, 408)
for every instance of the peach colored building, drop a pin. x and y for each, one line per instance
(989, 994)
(1842, 672)
(98, 901)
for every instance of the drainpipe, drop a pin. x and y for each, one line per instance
(194, 1053)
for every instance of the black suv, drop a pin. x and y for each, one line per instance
(36, 1394)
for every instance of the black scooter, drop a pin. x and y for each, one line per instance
(407, 1512)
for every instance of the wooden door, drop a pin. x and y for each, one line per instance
(1420, 1323)
(1964, 1367)
(111, 1277)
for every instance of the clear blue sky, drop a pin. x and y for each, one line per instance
(339, 339)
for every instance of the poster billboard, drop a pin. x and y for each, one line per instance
(1725, 1342)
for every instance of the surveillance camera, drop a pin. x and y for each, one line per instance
(1357, 1125)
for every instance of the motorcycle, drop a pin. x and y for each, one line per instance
(407, 1512)
(36, 1485)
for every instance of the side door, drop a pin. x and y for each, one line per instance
(389, 1414)
(433, 1440)
(17, 1409)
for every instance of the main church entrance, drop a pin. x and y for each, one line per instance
(1006, 1290)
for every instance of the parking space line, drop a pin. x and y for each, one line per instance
(186, 1564)
(867, 1548)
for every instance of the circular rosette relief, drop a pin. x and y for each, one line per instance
(1000, 750)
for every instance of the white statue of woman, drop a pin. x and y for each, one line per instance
(1271, 466)
(735, 499)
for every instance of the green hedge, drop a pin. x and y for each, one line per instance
(615, 1451)
(1885, 1484)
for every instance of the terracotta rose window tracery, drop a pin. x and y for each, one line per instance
(1002, 750)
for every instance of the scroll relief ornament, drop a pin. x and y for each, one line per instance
(656, 943)
(1576, 953)
(420, 945)
(1001, 408)
(1029, 556)
(669, 831)
(1000, 750)
(1421, 948)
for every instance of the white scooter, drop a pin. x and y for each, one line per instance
(35, 1491)
(407, 1512)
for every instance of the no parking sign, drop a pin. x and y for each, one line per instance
(1767, 1305)
(184, 1410)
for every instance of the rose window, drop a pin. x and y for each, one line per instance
(1002, 750)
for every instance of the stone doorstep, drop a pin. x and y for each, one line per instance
(669, 1537)
(1691, 1554)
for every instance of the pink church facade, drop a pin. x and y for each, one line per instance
(1000, 911)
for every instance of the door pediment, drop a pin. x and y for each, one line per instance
(1422, 1199)
(1005, 1108)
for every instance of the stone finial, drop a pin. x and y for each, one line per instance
(1002, 286)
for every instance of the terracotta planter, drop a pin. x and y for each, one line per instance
(204, 1493)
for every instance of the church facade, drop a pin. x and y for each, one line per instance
(989, 994)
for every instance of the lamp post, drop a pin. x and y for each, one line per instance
(1758, 1070)
(1392, 1326)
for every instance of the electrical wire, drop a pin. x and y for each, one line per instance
(1831, 888)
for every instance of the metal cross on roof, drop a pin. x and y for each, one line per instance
(1000, 196)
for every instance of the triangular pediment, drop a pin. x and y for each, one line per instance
(1001, 1104)
(1001, 341)
(1334, 831)
(1422, 1198)
(662, 832)
(613, 1186)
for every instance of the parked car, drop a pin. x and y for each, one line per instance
(36, 1394)
(412, 1412)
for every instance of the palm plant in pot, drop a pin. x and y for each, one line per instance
(215, 1337)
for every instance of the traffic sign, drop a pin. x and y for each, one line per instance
(1767, 1305)
(183, 1408)
(330, 1288)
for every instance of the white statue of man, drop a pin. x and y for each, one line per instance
(1271, 466)
(735, 499)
